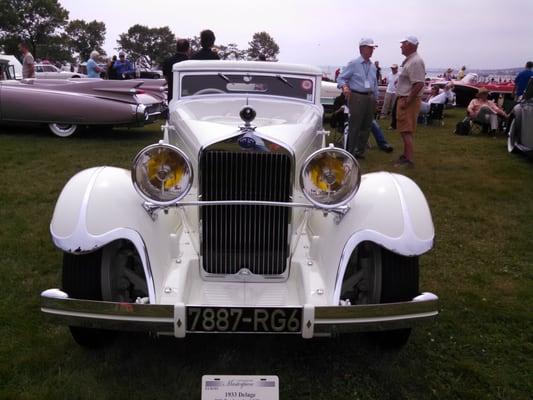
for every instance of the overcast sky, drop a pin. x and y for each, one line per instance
(476, 33)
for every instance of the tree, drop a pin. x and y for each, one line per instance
(262, 44)
(83, 37)
(231, 52)
(147, 46)
(37, 22)
(195, 43)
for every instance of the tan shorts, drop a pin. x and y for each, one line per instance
(406, 118)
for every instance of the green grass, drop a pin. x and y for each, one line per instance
(481, 268)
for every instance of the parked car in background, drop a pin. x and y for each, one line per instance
(49, 71)
(520, 132)
(241, 220)
(65, 105)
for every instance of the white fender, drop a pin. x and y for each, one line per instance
(389, 209)
(100, 205)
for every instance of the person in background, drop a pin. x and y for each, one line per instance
(409, 89)
(358, 81)
(522, 79)
(207, 41)
(448, 75)
(378, 72)
(461, 74)
(485, 111)
(390, 93)
(111, 72)
(447, 96)
(28, 63)
(123, 67)
(183, 51)
(93, 70)
(341, 116)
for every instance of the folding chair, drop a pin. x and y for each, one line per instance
(436, 113)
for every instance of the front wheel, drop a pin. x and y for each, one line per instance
(376, 275)
(113, 273)
(82, 280)
(63, 130)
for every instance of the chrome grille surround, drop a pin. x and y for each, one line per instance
(250, 242)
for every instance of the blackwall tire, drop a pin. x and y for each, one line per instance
(381, 276)
(63, 130)
(82, 280)
(400, 276)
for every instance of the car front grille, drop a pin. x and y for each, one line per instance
(252, 236)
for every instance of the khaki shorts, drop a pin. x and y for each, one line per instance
(406, 118)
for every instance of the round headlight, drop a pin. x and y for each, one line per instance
(162, 174)
(330, 177)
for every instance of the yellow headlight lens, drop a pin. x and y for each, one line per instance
(162, 174)
(330, 177)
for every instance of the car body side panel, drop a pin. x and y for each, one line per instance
(38, 105)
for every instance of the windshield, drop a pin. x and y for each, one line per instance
(293, 86)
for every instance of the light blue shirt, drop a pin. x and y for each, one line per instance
(356, 73)
(91, 69)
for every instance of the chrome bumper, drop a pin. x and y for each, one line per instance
(170, 319)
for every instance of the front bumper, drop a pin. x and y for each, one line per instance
(170, 319)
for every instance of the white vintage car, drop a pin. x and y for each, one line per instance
(241, 220)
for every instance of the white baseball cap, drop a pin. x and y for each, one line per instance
(367, 42)
(410, 39)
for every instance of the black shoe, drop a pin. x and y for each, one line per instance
(387, 148)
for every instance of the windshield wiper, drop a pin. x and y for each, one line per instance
(284, 80)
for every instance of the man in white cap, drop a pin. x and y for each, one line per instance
(390, 93)
(408, 91)
(360, 88)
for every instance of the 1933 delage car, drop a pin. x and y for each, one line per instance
(241, 220)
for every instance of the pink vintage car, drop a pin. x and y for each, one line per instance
(66, 104)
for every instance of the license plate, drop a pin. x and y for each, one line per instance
(244, 319)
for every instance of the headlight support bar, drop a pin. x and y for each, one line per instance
(152, 209)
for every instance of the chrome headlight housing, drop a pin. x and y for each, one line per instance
(330, 177)
(162, 174)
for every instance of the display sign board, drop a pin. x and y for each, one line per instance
(240, 387)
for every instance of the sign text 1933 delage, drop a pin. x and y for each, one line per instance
(241, 220)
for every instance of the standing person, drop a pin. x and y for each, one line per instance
(448, 75)
(461, 74)
(358, 81)
(28, 63)
(390, 93)
(207, 41)
(111, 72)
(378, 72)
(93, 70)
(183, 52)
(408, 92)
(522, 79)
(123, 68)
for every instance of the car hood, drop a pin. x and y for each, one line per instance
(209, 120)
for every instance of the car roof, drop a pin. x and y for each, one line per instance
(247, 66)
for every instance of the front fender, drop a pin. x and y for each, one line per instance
(389, 209)
(100, 205)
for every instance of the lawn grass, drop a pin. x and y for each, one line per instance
(481, 268)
